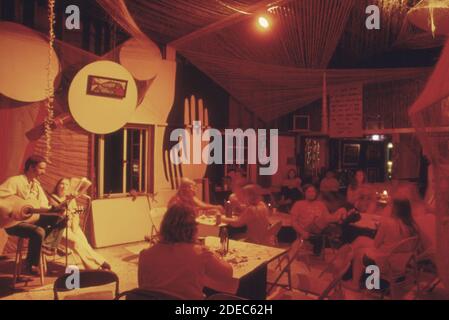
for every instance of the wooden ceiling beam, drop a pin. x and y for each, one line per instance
(225, 22)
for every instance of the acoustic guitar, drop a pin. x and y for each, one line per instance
(14, 210)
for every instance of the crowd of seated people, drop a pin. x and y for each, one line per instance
(405, 216)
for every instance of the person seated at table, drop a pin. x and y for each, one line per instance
(186, 195)
(291, 190)
(255, 216)
(310, 217)
(360, 193)
(329, 183)
(176, 264)
(76, 240)
(391, 231)
(237, 197)
(421, 212)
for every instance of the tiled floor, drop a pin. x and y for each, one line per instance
(124, 262)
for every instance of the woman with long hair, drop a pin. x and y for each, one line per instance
(76, 239)
(392, 230)
(177, 264)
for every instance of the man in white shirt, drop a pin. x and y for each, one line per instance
(27, 187)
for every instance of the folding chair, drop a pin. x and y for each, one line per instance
(332, 289)
(401, 267)
(286, 259)
(87, 279)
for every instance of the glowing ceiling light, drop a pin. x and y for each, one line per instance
(263, 22)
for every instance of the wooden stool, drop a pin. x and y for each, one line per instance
(18, 263)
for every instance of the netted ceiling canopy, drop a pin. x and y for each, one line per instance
(280, 70)
(271, 91)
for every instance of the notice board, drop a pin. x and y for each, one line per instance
(346, 112)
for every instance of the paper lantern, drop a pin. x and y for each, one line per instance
(141, 58)
(24, 63)
(431, 15)
(102, 97)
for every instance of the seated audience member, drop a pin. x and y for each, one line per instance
(177, 265)
(77, 241)
(237, 197)
(392, 230)
(186, 196)
(255, 216)
(360, 194)
(329, 183)
(290, 190)
(310, 217)
(422, 214)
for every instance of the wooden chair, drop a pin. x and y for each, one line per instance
(88, 279)
(19, 259)
(144, 294)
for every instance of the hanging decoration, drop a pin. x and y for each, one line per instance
(49, 120)
(312, 155)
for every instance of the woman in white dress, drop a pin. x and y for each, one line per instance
(77, 241)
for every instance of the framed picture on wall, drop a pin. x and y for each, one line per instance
(351, 154)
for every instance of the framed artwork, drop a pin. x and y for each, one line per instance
(106, 87)
(351, 154)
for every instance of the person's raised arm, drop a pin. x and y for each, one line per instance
(206, 206)
(239, 221)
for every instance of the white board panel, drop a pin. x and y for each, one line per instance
(121, 220)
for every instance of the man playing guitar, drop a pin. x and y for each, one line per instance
(27, 187)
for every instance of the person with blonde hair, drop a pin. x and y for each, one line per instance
(177, 265)
(255, 216)
(186, 196)
(76, 239)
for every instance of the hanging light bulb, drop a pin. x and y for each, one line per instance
(263, 22)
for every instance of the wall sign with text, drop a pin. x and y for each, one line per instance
(346, 112)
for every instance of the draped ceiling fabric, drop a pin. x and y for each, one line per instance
(429, 113)
(271, 91)
(304, 34)
(266, 72)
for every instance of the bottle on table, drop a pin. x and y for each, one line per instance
(224, 240)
